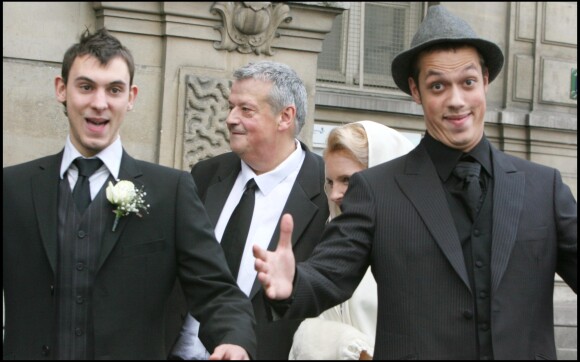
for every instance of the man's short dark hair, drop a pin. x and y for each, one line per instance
(101, 45)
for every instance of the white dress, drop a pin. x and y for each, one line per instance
(341, 332)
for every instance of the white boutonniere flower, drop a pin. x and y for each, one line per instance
(127, 198)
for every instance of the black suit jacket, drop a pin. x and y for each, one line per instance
(396, 218)
(307, 202)
(136, 271)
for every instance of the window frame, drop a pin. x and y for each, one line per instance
(352, 50)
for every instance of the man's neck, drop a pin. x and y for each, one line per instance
(268, 164)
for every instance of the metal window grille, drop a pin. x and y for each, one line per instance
(359, 50)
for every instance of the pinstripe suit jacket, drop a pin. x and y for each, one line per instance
(396, 218)
(136, 269)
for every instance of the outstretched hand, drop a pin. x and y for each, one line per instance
(276, 268)
(229, 352)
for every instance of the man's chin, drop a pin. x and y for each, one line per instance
(236, 147)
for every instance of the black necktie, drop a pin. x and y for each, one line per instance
(82, 190)
(471, 194)
(236, 232)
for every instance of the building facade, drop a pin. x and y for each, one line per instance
(185, 53)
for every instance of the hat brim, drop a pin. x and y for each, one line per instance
(401, 69)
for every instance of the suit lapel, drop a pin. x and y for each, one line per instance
(299, 204)
(421, 184)
(128, 171)
(217, 193)
(45, 187)
(508, 197)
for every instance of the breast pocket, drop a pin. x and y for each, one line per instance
(143, 248)
(532, 242)
(532, 234)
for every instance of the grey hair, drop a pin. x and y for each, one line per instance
(287, 88)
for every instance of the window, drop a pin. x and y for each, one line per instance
(359, 49)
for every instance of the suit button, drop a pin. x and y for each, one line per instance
(80, 266)
(476, 232)
(479, 263)
(78, 331)
(45, 350)
(484, 326)
(482, 294)
(52, 290)
(81, 234)
(467, 314)
(80, 299)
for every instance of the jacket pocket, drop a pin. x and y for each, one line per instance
(144, 248)
(533, 234)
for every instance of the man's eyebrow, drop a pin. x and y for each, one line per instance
(431, 72)
(83, 78)
(87, 79)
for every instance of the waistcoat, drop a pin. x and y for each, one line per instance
(476, 242)
(79, 240)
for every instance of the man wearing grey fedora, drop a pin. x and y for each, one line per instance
(463, 240)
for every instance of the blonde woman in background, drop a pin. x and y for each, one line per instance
(347, 331)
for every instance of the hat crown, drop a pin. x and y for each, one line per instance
(441, 24)
(439, 27)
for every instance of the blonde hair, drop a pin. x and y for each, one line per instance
(351, 139)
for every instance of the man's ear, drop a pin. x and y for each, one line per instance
(133, 91)
(485, 79)
(287, 117)
(414, 90)
(60, 89)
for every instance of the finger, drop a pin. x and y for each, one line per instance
(286, 227)
(259, 253)
(216, 356)
(269, 290)
(265, 280)
(260, 265)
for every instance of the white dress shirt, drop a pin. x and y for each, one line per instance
(274, 189)
(111, 157)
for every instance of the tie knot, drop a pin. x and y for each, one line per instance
(467, 170)
(251, 185)
(87, 166)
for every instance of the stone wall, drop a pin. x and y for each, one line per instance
(180, 49)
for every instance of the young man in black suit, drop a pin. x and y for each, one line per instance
(464, 265)
(84, 277)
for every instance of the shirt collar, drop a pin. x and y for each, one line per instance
(269, 180)
(111, 157)
(445, 158)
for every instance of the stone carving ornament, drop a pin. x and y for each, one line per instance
(206, 109)
(249, 26)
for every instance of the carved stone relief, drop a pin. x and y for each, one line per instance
(206, 109)
(249, 26)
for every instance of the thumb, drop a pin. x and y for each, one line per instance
(286, 227)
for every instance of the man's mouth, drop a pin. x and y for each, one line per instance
(96, 120)
(457, 118)
(237, 132)
(96, 124)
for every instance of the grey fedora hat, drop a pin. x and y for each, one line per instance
(440, 26)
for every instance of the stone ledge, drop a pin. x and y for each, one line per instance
(567, 354)
(565, 314)
(566, 337)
